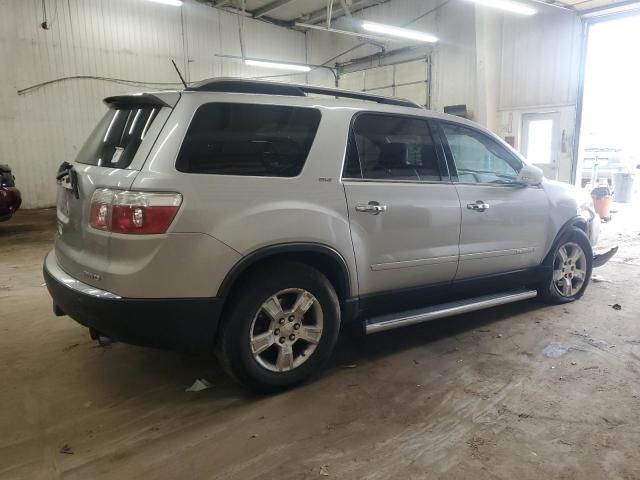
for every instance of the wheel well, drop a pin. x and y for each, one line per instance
(327, 264)
(581, 224)
(578, 222)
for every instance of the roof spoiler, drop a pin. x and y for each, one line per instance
(135, 100)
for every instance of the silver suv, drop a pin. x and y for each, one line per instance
(256, 219)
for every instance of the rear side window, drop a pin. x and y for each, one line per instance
(393, 148)
(115, 140)
(248, 139)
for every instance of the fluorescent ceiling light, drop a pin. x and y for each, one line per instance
(281, 66)
(398, 32)
(174, 3)
(507, 5)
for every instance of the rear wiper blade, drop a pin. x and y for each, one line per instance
(65, 169)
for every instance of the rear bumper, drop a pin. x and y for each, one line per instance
(185, 324)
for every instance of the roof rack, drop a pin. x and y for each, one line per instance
(242, 85)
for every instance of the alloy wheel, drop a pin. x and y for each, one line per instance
(286, 330)
(569, 269)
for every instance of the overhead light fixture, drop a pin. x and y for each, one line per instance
(280, 66)
(173, 3)
(398, 32)
(507, 5)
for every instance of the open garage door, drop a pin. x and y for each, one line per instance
(408, 80)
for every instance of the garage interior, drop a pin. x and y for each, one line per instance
(524, 390)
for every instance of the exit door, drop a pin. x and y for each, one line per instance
(541, 141)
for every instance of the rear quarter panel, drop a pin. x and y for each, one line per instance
(246, 213)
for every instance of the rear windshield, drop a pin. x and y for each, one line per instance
(115, 140)
(248, 139)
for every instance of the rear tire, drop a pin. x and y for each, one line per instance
(571, 265)
(281, 327)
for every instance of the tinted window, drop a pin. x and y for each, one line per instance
(239, 139)
(115, 140)
(6, 178)
(391, 147)
(478, 158)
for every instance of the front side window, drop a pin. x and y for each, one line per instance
(478, 158)
(391, 147)
(248, 139)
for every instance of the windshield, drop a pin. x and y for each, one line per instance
(115, 140)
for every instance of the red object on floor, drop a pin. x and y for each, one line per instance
(602, 205)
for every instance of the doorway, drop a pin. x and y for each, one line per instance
(541, 140)
(609, 141)
(609, 145)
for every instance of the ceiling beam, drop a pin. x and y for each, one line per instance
(270, 7)
(366, 36)
(345, 7)
(320, 15)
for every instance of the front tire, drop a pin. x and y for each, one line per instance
(571, 265)
(281, 327)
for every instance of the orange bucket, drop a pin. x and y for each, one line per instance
(602, 205)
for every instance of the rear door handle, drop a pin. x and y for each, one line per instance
(373, 207)
(479, 206)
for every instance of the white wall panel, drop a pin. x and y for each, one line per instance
(540, 74)
(126, 39)
(540, 60)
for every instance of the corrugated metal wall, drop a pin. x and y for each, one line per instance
(540, 60)
(124, 39)
(540, 71)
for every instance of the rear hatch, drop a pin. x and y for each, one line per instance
(111, 157)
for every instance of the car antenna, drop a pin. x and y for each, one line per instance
(179, 74)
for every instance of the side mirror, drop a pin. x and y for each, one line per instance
(530, 176)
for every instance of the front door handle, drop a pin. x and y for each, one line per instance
(374, 208)
(479, 206)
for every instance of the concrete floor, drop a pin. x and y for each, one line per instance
(476, 396)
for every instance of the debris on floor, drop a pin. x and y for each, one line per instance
(324, 471)
(616, 306)
(198, 385)
(557, 350)
(66, 449)
(599, 279)
(601, 344)
(70, 347)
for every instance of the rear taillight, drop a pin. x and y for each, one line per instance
(133, 212)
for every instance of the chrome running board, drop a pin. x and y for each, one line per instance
(411, 317)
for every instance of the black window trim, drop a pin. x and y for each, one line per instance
(193, 114)
(451, 162)
(437, 141)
